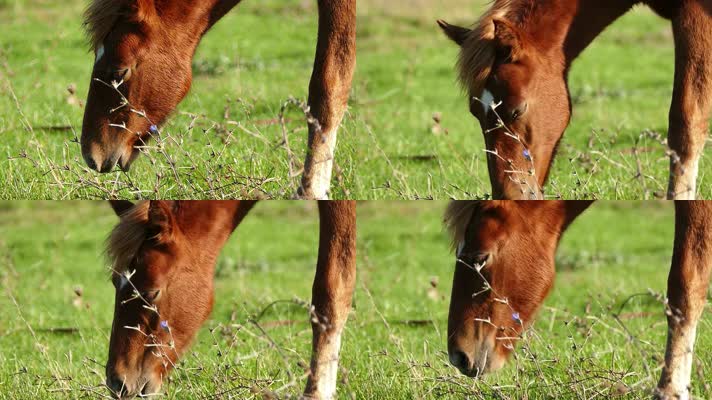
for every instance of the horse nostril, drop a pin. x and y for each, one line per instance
(460, 360)
(125, 163)
(91, 163)
(116, 385)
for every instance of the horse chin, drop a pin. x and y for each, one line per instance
(152, 387)
(477, 373)
(128, 158)
(142, 385)
(494, 363)
(485, 362)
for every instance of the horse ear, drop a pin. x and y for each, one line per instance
(508, 40)
(120, 206)
(161, 219)
(457, 34)
(144, 11)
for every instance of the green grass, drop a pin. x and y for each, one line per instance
(247, 67)
(394, 345)
(389, 145)
(621, 88)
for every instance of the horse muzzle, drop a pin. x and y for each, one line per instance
(105, 161)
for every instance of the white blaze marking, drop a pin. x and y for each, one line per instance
(460, 247)
(487, 99)
(99, 53)
(123, 281)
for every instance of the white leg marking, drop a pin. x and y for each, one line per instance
(678, 369)
(689, 180)
(322, 163)
(685, 186)
(681, 362)
(325, 366)
(99, 53)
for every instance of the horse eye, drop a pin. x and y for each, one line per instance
(479, 259)
(123, 74)
(151, 295)
(515, 115)
(519, 110)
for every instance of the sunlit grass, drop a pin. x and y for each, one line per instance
(587, 341)
(408, 132)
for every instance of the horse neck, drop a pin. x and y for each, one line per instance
(208, 224)
(572, 209)
(195, 18)
(556, 215)
(586, 20)
(219, 9)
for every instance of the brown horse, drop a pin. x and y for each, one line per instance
(505, 269)
(163, 257)
(514, 64)
(142, 70)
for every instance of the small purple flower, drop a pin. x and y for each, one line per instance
(527, 155)
(153, 129)
(164, 325)
(515, 316)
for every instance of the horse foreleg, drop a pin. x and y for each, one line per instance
(331, 294)
(689, 112)
(328, 92)
(687, 291)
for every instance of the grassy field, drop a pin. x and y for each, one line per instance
(56, 306)
(228, 131)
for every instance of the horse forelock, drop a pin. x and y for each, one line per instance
(457, 217)
(477, 53)
(126, 238)
(100, 17)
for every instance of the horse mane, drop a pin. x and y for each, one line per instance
(100, 17)
(457, 217)
(477, 53)
(126, 238)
